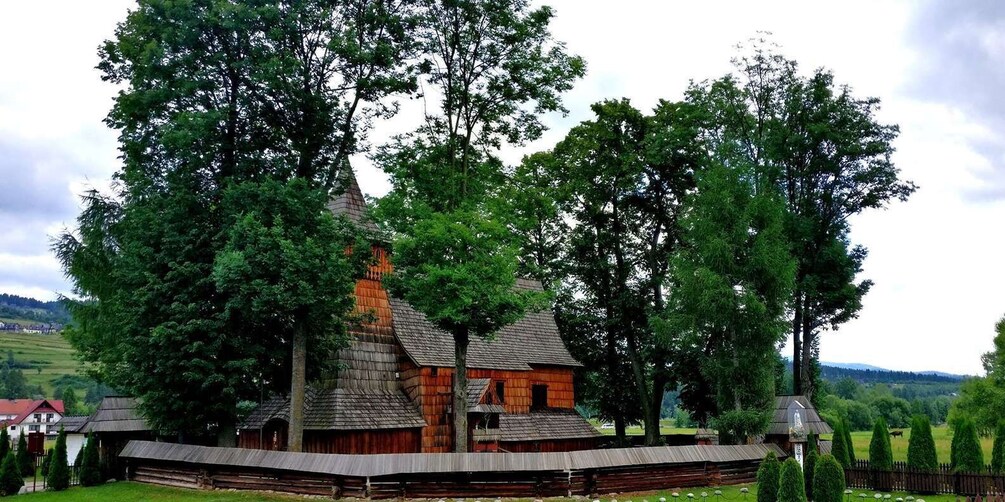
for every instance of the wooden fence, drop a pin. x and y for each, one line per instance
(941, 480)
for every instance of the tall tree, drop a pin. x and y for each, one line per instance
(830, 157)
(983, 398)
(921, 452)
(493, 67)
(216, 93)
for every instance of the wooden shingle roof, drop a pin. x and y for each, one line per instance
(348, 201)
(811, 421)
(534, 339)
(116, 414)
(545, 425)
(343, 409)
(72, 424)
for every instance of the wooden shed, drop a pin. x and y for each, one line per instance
(114, 423)
(393, 391)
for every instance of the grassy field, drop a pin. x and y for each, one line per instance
(943, 439)
(51, 353)
(666, 427)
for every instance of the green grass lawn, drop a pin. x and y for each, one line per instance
(139, 492)
(943, 439)
(51, 353)
(666, 427)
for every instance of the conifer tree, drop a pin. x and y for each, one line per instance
(880, 454)
(90, 471)
(24, 463)
(998, 450)
(839, 448)
(790, 482)
(811, 443)
(46, 462)
(921, 452)
(846, 429)
(967, 453)
(58, 478)
(4, 442)
(767, 478)
(828, 480)
(10, 477)
(809, 464)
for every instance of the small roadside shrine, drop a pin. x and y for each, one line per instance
(793, 421)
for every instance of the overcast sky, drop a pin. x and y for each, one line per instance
(939, 69)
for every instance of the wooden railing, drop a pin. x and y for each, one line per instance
(941, 480)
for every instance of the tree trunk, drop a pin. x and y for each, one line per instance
(797, 349)
(807, 358)
(226, 435)
(655, 408)
(620, 431)
(297, 391)
(461, 392)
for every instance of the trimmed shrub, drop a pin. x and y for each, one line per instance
(79, 459)
(10, 476)
(4, 443)
(921, 452)
(59, 472)
(998, 450)
(790, 482)
(46, 462)
(880, 454)
(846, 429)
(90, 471)
(828, 480)
(839, 448)
(809, 463)
(24, 463)
(811, 443)
(767, 478)
(968, 455)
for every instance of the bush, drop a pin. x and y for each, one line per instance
(790, 482)
(46, 462)
(811, 442)
(4, 443)
(90, 471)
(58, 478)
(967, 454)
(839, 449)
(921, 452)
(809, 463)
(767, 478)
(998, 450)
(10, 477)
(24, 463)
(828, 480)
(846, 429)
(880, 454)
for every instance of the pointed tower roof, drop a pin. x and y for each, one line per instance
(349, 201)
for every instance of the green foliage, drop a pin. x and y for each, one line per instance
(811, 442)
(896, 411)
(4, 442)
(90, 471)
(809, 466)
(998, 450)
(58, 477)
(790, 482)
(880, 454)
(967, 455)
(921, 452)
(840, 446)
(24, 460)
(847, 441)
(10, 475)
(982, 399)
(828, 480)
(46, 462)
(768, 478)
(735, 426)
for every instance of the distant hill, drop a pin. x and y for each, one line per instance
(864, 373)
(20, 308)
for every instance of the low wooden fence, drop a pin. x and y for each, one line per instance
(941, 480)
(439, 476)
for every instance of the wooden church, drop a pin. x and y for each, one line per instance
(392, 393)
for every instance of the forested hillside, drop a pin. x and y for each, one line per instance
(834, 373)
(16, 307)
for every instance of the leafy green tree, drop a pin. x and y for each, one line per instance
(983, 398)
(809, 466)
(216, 94)
(494, 67)
(10, 476)
(90, 471)
(790, 482)
(921, 452)
(880, 453)
(828, 480)
(847, 441)
(733, 277)
(967, 454)
(767, 478)
(58, 477)
(805, 129)
(70, 403)
(998, 449)
(24, 460)
(839, 446)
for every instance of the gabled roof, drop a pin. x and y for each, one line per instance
(811, 421)
(545, 425)
(32, 406)
(116, 414)
(72, 424)
(343, 409)
(14, 406)
(534, 339)
(349, 202)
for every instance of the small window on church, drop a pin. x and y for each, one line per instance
(539, 396)
(501, 391)
(434, 371)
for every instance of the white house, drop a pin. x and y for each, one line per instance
(31, 416)
(75, 439)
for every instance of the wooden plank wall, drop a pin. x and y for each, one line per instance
(591, 482)
(362, 442)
